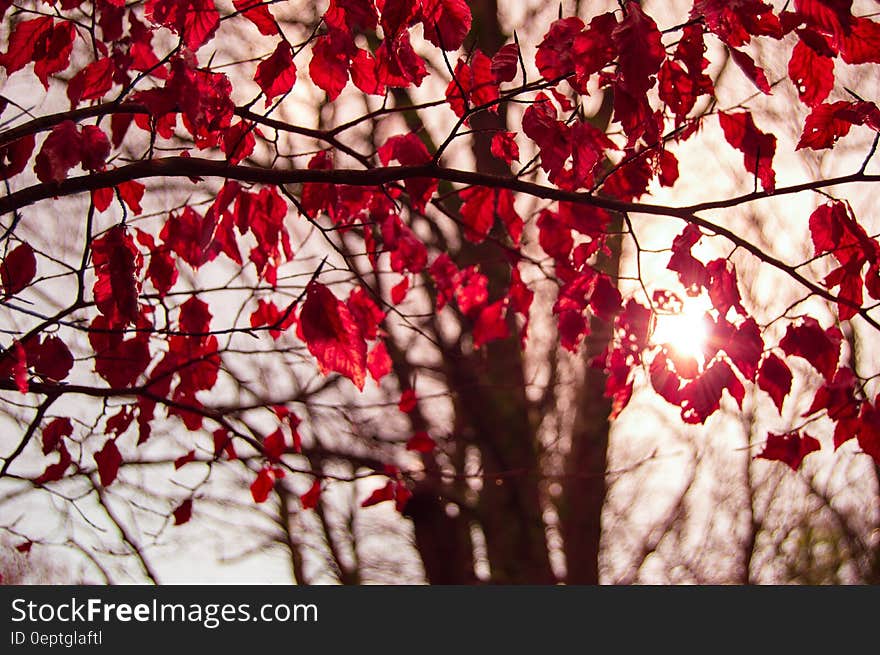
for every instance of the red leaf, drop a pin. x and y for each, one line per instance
(18, 270)
(861, 43)
(691, 271)
(380, 495)
(118, 361)
(194, 20)
(329, 66)
(676, 88)
(263, 485)
(554, 235)
(378, 361)
(50, 358)
(223, 443)
(478, 212)
(396, 16)
(702, 397)
(366, 74)
(57, 52)
(239, 141)
(117, 263)
(162, 271)
(309, 499)
(56, 471)
(54, 432)
(593, 49)
(774, 377)
(24, 547)
(484, 89)
(352, 15)
(399, 65)
(131, 193)
(401, 496)
(790, 448)
(588, 152)
(723, 290)
(829, 122)
(491, 324)
(18, 367)
(504, 146)
(641, 50)
(276, 74)
(446, 22)
(61, 151)
(834, 229)
(108, 460)
(682, 80)
(869, 431)
(183, 460)
(831, 16)
(183, 513)
(421, 442)
(195, 317)
(332, 335)
(91, 83)
(119, 422)
(445, 275)
(555, 55)
(736, 21)
(552, 136)
(744, 346)
(758, 147)
(95, 147)
(366, 312)
(850, 296)
(258, 13)
(837, 398)
(22, 43)
(145, 60)
(506, 211)
(407, 402)
(274, 445)
(409, 150)
(822, 128)
(811, 73)
(520, 299)
(821, 348)
(605, 299)
(268, 314)
(102, 198)
(476, 81)
(472, 290)
(753, 72)
(15, 156)
(399, 291)
(505, 62)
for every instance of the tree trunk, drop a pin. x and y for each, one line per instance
(584, 488)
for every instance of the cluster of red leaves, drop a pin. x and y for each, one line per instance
(395, 490)
(621, 51)
(336, 57)
(834, 230)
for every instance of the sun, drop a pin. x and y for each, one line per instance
(683, 328)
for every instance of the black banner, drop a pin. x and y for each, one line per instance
(456, 619)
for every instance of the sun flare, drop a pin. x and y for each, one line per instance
(684, 331)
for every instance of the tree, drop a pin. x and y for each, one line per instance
(381, 253)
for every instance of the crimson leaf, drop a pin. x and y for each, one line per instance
(789, 448)
(332, 334)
